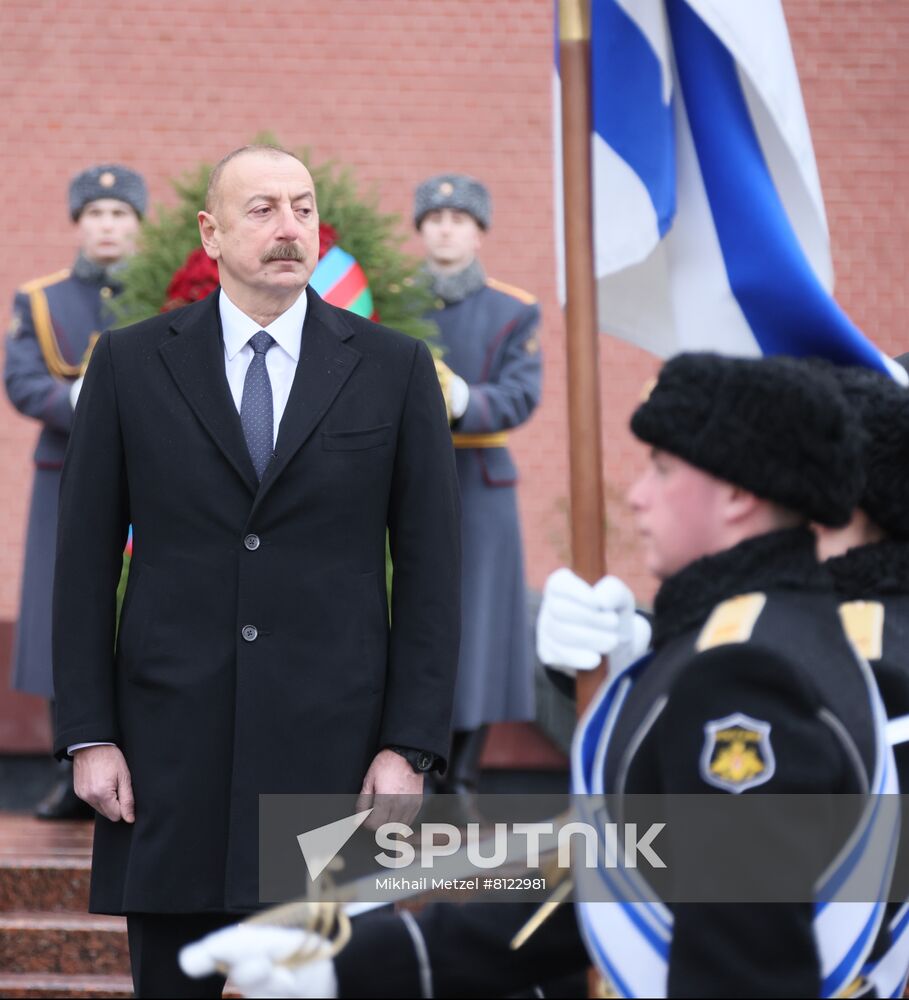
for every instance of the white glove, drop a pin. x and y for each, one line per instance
(252, 953)
(459, 396)
(74, 391)
(578, 624)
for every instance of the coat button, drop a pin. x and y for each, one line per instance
(251, 542)
(250, 633)
(106, 292)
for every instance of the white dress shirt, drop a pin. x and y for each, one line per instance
(280, 361)
(281, 358)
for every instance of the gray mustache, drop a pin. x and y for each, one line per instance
(283, 251)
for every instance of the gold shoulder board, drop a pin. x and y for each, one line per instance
(512, 290)
(731, 621)
(44, 326)
(863, 622)
(45, 282)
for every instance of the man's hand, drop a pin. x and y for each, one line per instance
(254, 956)
(101, 778)
(578, 624)
(399, 789)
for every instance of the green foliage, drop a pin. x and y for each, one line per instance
(164, 245)
(400, 295)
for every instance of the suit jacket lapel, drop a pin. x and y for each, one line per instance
(325, 364)
(194, 355)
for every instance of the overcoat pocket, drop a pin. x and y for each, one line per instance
(371, 437)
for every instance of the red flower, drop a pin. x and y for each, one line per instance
(198, 276)
(328, 236)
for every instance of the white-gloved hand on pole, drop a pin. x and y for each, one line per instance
(578, 624)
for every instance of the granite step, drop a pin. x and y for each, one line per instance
(63, 944)
(27, 835)
(39, 984)
(44, 866)
(50, 946)
(48, 885)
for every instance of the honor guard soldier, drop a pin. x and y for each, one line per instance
(55, 322)
(491, 377)
(748, 656)
(869, 561)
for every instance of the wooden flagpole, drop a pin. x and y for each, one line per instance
(588, 509)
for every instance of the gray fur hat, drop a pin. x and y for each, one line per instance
(107, 180)
(458, 191)
(776, 426)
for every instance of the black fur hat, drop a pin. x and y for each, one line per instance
(883, 407)
(778, 427)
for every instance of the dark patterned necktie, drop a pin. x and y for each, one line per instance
(256, 408)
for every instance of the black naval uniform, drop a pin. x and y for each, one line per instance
(872, 582)
(868, 578)
(777, 655)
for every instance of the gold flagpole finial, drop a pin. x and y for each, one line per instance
(574, 20)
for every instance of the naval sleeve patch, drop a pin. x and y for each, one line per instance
(863, 622)
(737, 754)
(731, 621)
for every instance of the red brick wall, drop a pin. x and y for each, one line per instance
(399, 89)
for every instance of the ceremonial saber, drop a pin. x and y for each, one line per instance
(330, 920)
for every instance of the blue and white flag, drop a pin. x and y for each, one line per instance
(709, 223)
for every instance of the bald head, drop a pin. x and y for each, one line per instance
(262, 227)
(213, 191)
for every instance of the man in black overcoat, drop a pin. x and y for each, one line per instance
(260, 442)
